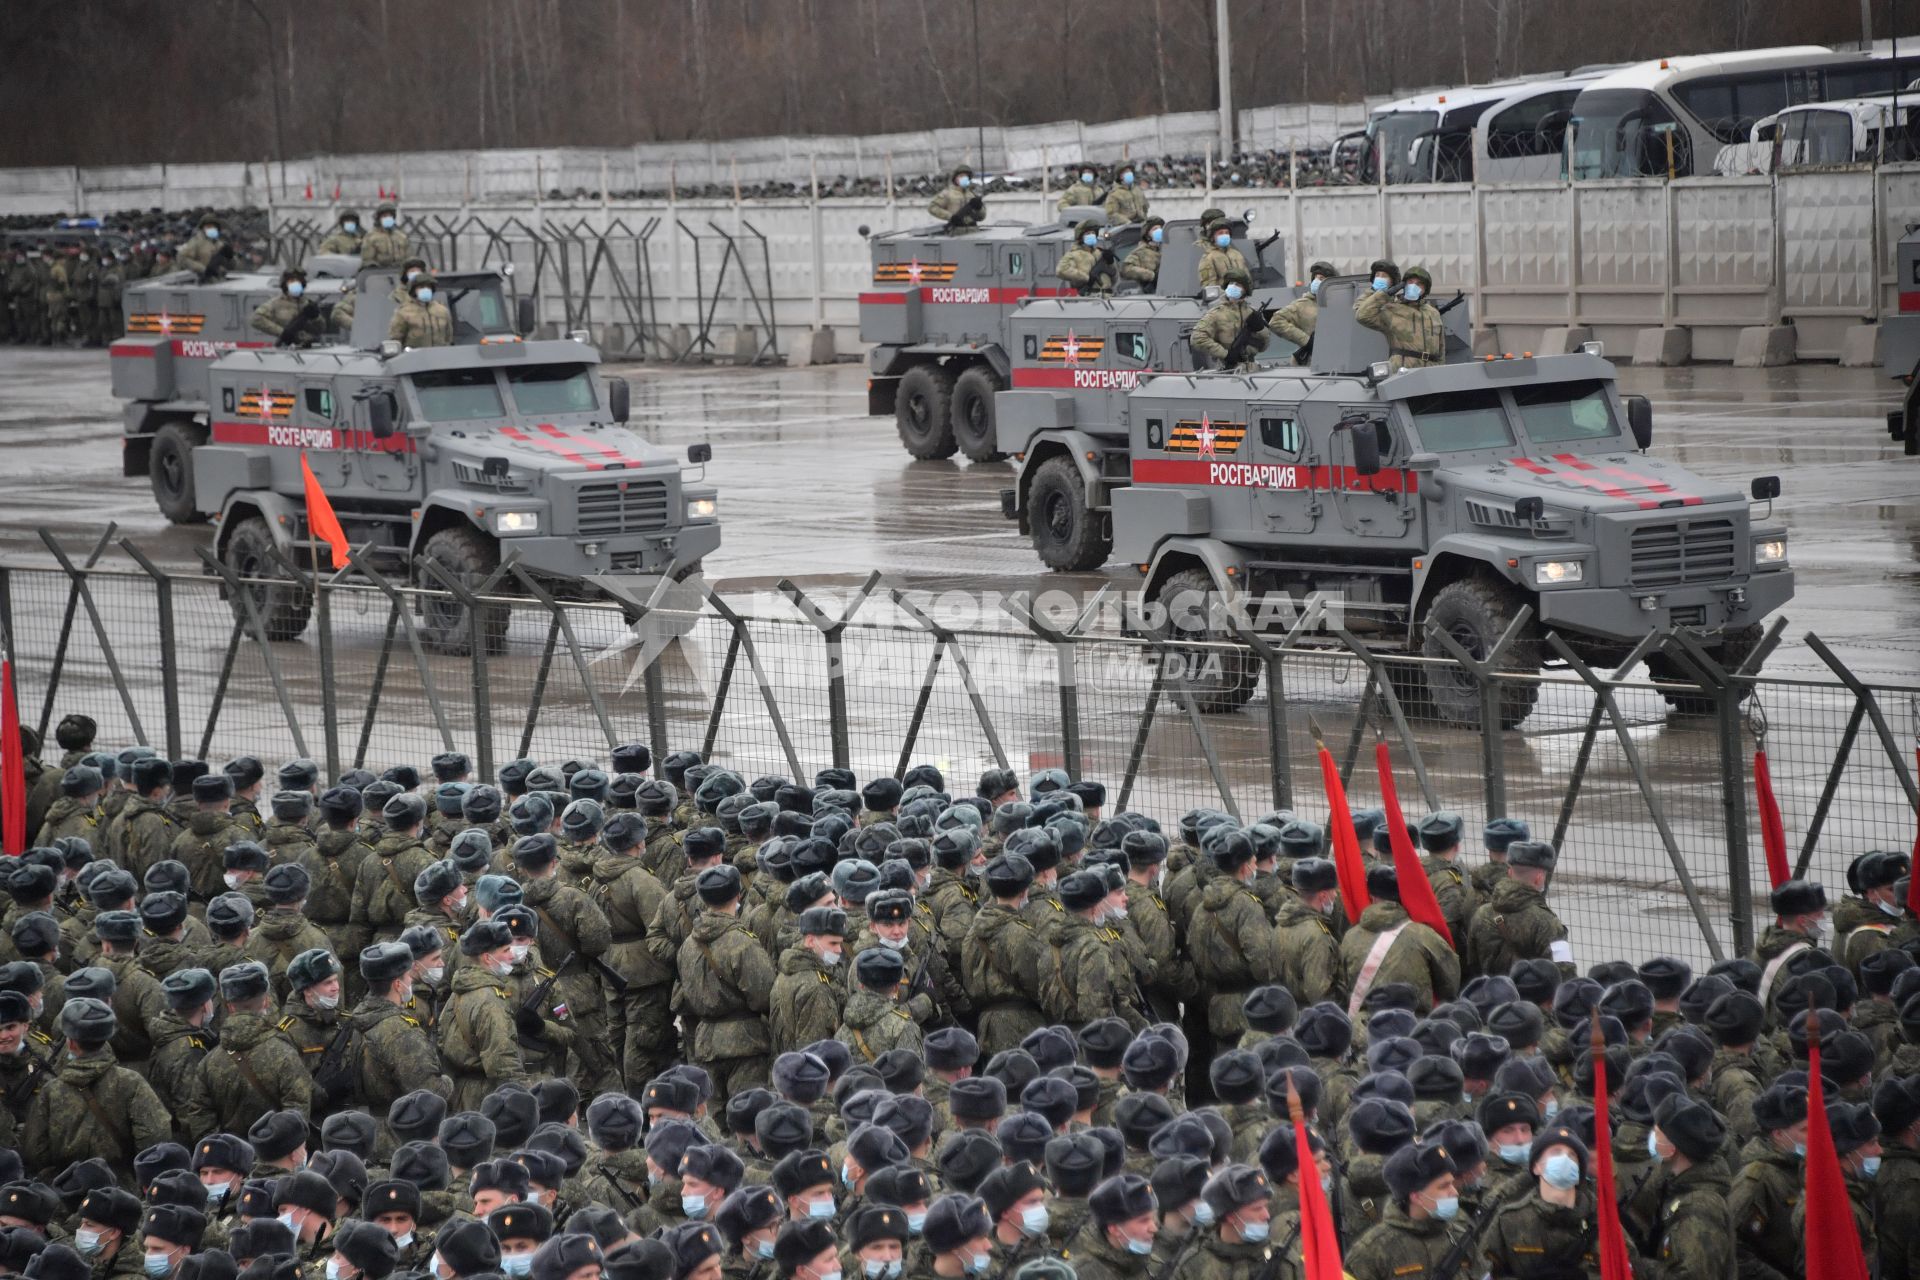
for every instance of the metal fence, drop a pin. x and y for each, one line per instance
(1652, 811)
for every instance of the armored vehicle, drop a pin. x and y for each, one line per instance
(1430, 500)
(1900, 342)
(441, 456)
(941, 303)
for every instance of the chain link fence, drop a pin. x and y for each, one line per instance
(1653, 811)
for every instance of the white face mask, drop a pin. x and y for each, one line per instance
(232, 879)
(894, 944)
(500, 969)
(326, 1002)
(435, 974)
(520, 951)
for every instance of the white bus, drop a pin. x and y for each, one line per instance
(1876, 130)
(1425, 137)
(1670, 117)
(1522, 137)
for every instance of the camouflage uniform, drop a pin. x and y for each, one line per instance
(1078, 195)
(1309, 955)
(342, 240)
(725, 979)
(202, 846)
(397, 1056)
(574, 932)
(254, 1070)
(277, 938)
(664, 857)
(1401, 1246)
(274, 315)
(1143, 264)
(1171, 973)
(383, 247)
(93, 1106)
(22, 1076)
(1896, 1206)
(953, 902)
(1455, 893)
(421, 324)
(142, 835)
(69, 816)
(617, 1179)
(1415, 331)
(478, 1043)
(1216, 262)
(383, 889)
(1001, 973)
(1234, 950)
(1760, 1207)
(174, 1073)
(138, 1005)
(1083, 978)
(871, 1025)
(1217, 331)
(1516, 924)
(806, 1003)
(950, 203)
(333, 862)
(640, 1024)
(1417, 956)
(1295, 322)
(196, 254)
(1530, 1236)
(1125, 204)
(1695, 1232)
(1078, 266)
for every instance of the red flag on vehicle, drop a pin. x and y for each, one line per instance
(1613, 1242)
(321, 522)
(13, 769)
(1772, 833)
(1829, 1213)
(1319, 1243)
(1416, 891)
(1346, 845)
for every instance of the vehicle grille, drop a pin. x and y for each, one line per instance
(608, 507)
(1667, 555)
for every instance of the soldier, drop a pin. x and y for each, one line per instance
(138, 1003)
(1309, 949)
(1126, 201)
(1416, 1232)
(18, 296)
(1386, 946)
(1221, 257)
(1438, 835)
(28, 1058)
(873, 1022)
(386, 245)
(1498, 836)
(1003, 958)
(1553, 1222)
(383, 889)
(952, 892)
(207, 832)
(255, 1069)
(1084, 978)
(56, 294)
(958, 205)
(106, 1234)
(725, 979)
(163, 912)
(206, 254)
(808, 996)
(182, 1038)
(1234, 948)
(361, 1250)
(1232, 322)
(163, 262)
(1516, 923)
(83, 283)
(1295, 321)
(75, 813)
(109, 283)
(92, 1106)
(1695, 1232)
(142, 834)
(1143, 263)
(345, 237)
(284, 317)
(640, 1025)
(1088, 266)
(1083, 188)
(1861, 925)
(333, 862)
(1414, 328)
(249, 779)
(420, 321)
(574, 935)
(284, 931)
(1799, 909)
(398, 1057)
(480, 1028)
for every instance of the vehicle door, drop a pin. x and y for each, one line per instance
(1376, 506)
(1284, 500)
(1131, 352)
(326, 436)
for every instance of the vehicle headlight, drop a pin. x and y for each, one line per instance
(702, 508)
(1771, 551)
(505, 522)
(1552, 573)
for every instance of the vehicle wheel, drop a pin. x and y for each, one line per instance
(1066, 534)
(170, 470)
(1223, 674)
(923, 410)
(1729, 653)
(973, 429)
(467, 556)
(284, 608)
(1476, 612)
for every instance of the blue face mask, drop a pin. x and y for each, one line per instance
(1869, 1166)
(1034, 1219)
(1087, 178)
(916, 1221)
(846, 1172)
(1447, 1208)
(158, 1264)
(1653, 1144)
(425, 295)
(821, 1208)
(881, 1270)
(695, 1205)
(295, 289)
(1313, 286)
(1380, 284)
(1551, 1109)
(351, 228)
(1514, 1153)
(963, 182)
(1255, 1232)
(1235, 292)
(763, 1249)
(1202, 1213)
(1561, 1171)
(1139, 1248)
(1223, 240)
(516, 1264)
(213, 233)
(1127, 178)
(1157, 235)
(387, 222)
(1413, 292)
(1800, 1149)
(977, 1265)
(1089, 240)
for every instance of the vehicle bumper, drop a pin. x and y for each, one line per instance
(663, 551)
(1615, 613)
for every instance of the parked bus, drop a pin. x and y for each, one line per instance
(1522, 137)
(1425, 137)
(1876, 130)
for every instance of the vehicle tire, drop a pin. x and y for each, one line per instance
(170, 470)
(973, 429)
(1729, 653)
(1067, 536)
(284, 609)
(923, 411)
(1476, 611)
(467, 556)
(1221, 675)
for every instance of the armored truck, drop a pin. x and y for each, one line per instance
(439, 456)
(1900, 342)
(1431, 500)
(940, 305)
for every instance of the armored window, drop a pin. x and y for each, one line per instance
(457, 395)
(1156, 433)
(1131, 346)
(1563, 411)
(320, 404)
(553, 388)
(1282, 435)
(1454, 421)
(1016, 263)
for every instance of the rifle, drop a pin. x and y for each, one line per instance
(296, 327)
(331, 1076)
(1468, 1240)
(1276, 1256)
(1238, 351)
(1101, 278)
(967, 214)
(1457, 298)
(217, 264)
(1304, 353)
(610, 975)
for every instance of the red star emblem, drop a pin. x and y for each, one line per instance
(913, 271)
(1205, 435)
(266, 403)
(166, 323)
(1071, 348)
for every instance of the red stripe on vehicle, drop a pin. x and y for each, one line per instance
(1909, 301)
(882, 298)
(1584, 481)
(1261, 475)
(1528, 464)
(285, 435)
(125, 349)
(612, 454)
(553, 446)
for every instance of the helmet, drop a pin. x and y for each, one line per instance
(289, 276)
(1322, 269)
(347, 215)
(1425, 276)
(1085, 226)
(1384, 266)
(1237, 275)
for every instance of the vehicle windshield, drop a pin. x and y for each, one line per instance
(553, 388)
(1456, 421)
(479, 308)
(457, 395)
(1565, 411)
(1816, 137)
(1619, 133)
(1394, 133)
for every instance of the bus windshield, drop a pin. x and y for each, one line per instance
(1394, 134)
(1455, 421)
(1624, 133)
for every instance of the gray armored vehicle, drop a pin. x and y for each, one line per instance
(1900, 342)
(449, 455)
(941, 302)
(1429, 500)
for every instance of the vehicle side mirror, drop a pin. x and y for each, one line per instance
(1366, 445)
(380, 414)
(1529, 510)
(1640, 421)
(525, 314)
(619, 399)
(1766, 488)
(702, 452)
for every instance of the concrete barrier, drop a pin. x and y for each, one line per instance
(1663, 347)
(1764, 346)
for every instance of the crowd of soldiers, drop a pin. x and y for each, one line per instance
(672, 1023)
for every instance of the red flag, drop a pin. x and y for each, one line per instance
(1319, 1243)
(1613, 1242)
(1772, 833)
(13, 769)
(336, 191)
(321, 522)
(1416, 891)
(1829, 1214)
(1346, 845)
